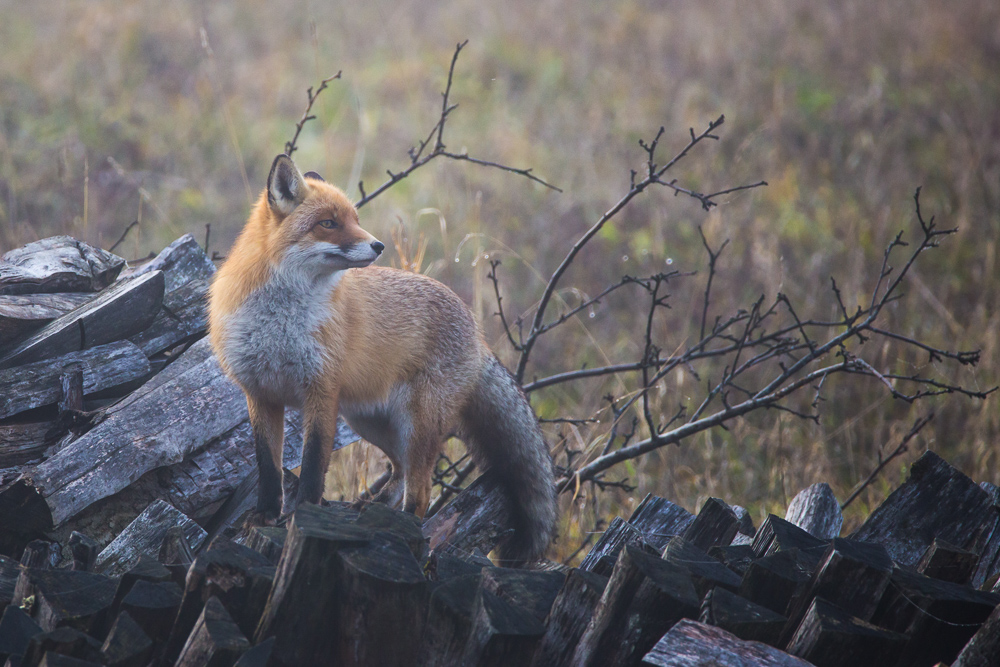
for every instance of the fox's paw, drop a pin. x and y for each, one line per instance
(261, 519)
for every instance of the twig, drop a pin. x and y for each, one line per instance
(124, 234)
(882, 463)
(291, 146)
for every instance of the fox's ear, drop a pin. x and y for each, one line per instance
(286, 187)
(314, 175)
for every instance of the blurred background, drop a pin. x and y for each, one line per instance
(170, 114)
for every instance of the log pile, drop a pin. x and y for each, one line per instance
(126, 465)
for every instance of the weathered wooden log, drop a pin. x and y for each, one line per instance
(502, 633)
(51, 659)
(80, 600)
(62, 641)
(568, 618)
(852, 575)
(224, 571)
(10, 571)
(746, 530)
(451, 607)
(658, 520)
(715, 525)
(126, 645)
(24, 443)
(257, 656)
(153, 606)
(57, 264)
(939, 617)
(937, 501)
(381, 518)
(181, 262)
(118, 312)
(645, 596)
(988, 569)
(743, 618)
(181, 409)
(693, 644)
(815, 509)
(175, 549)
(984, 647)
(947, 562)
(146, 569)
(104, 367)
(16, 630)
(828, 636)
(474, 519)
(267, 541)
(42, 554)
(145, 536)
(532, 590)
(215, 641)
(84, 551)
(182, 317)
(706, 573)
(776, 534)
(602, 557)
(776, 580)
(737, 557)
(23, 314)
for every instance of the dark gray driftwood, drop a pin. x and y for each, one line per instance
(81, 600)
(121, 310)
(984, 647)
(215, 641)
(829, 636)
(693, 644)
(947, 562)
(22, 314)
(474, 519)
(645, 596)
(743, 618)
(16, 630)
(937, 501)
(181, 409)
(939, 617)
(145, 536)
(706, 573)
(126, 645)
(715, 525)
(39, 383)
(57, 264)
(568, 617)
(815, 510)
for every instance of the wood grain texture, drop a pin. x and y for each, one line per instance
(57, 264)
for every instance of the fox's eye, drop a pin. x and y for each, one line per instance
(328, 224)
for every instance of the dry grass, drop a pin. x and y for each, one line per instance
(843, 107)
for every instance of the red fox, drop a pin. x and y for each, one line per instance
(298, 318)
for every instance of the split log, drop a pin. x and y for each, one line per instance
(693, 644)
(602, 557)
(442, 566)
(645, 596)
(215, 641)
(937, 501)
(20, 315)
(127, 645)
(947, 562)
(257, 656)
(146, 569)
(746, 530)
(24, 443)
(815, 510)
(737, 557)
(181, 262)
(382, 519)
(16, 630)
(145, 536)
(451, 607)
(474, 519)
(502, 633)
(743, 618)
(830, 637)
(57, 264)
(989, 557)
(776, 534)
(42, 554)
(68, 642)
(181, 409)
(267, 541)
(568, 618)
(118, 312)
(182, 316)
(153, 605)
(10, 571)
(984, 647)
(534, 591)
(706, 573)
(658, 520)
(80, 600)
(939, 617)
(776, 580)
(715, 525)
(84, 551)
(51, 659)
(104, 367)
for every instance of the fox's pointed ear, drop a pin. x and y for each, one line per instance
(286, 187)
(314, 175)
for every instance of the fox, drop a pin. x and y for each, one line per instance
(299, 318)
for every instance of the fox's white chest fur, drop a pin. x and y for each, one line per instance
(270, 342)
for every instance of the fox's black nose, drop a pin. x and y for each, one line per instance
(378, 247)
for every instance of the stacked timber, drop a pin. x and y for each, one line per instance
(126, 465)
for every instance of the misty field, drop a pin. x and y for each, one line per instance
(170, 114)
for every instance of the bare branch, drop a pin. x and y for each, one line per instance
(291, 146)
(882, 463)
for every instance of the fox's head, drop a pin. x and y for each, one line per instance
(314, 224)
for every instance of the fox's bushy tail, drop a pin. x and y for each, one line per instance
(502, 433)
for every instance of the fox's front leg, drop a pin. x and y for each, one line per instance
(320, 430)
(268, 423)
